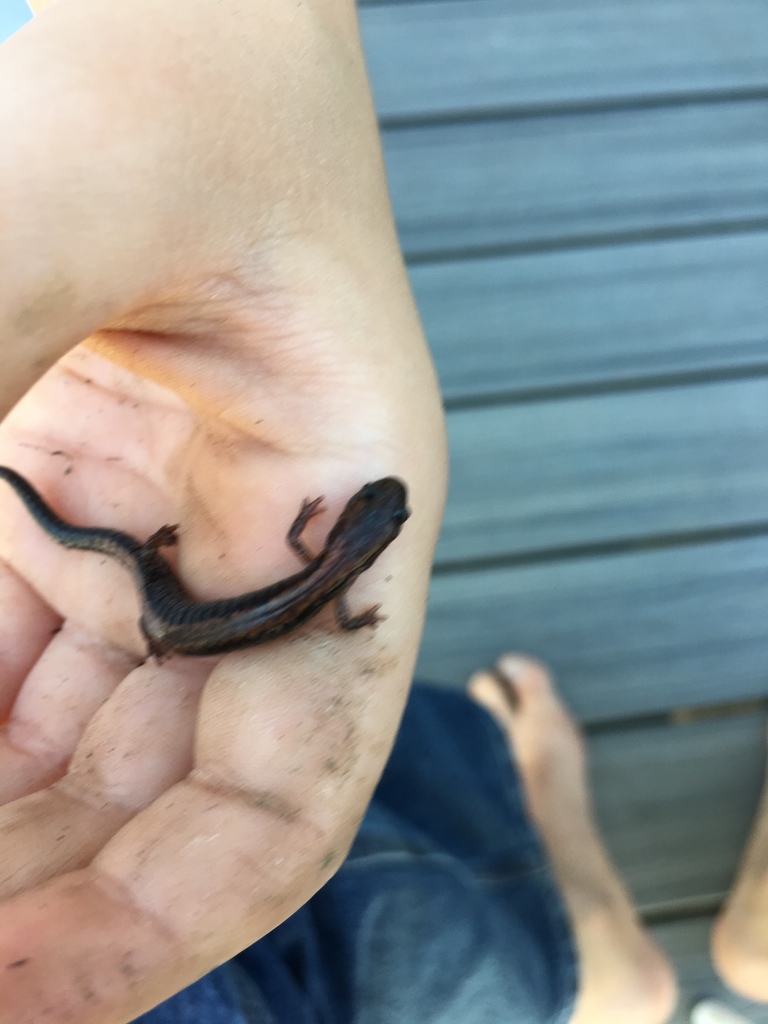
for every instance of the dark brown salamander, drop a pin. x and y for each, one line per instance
(175, 624)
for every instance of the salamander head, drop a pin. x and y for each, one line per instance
(371, 520)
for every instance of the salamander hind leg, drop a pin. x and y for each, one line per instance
(155, 646)
(308, 510)
(348, 621)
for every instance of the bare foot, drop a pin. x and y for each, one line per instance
(624, 975)
(740, 934)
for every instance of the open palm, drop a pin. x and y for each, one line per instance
(251, 343)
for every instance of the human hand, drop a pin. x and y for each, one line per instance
(199, 193)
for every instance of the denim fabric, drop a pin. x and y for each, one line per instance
(445, 911)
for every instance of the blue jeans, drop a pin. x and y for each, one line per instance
(445, 912)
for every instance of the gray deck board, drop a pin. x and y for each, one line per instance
(605, 468)
(580, 189)
(522, 182)
(475, 55)
(612, 313)
(676, 805)
(627, 635)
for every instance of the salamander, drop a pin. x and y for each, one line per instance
(173, 623)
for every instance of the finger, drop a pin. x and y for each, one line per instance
(110, 942)
(74, 675)
(52, 832)
(94, 443)
(141, 740)
(88, 944)
(23, 613)
(50, 973)
(290, 744)
(137, 745)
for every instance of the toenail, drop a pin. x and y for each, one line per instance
(512, 667)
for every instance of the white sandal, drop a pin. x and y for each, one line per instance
(709, 1011)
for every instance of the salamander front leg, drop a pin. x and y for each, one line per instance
(367, 618)
(308, 510)
(165, 537)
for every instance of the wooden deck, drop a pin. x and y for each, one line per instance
(581, 190)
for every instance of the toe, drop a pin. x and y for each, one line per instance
(532, 680)
(493, 693)
(516, 690)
